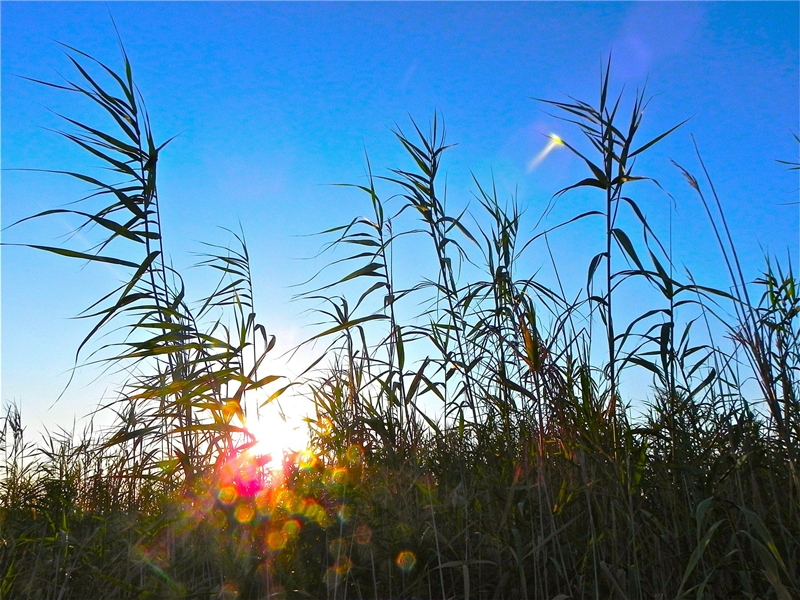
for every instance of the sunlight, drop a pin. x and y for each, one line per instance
(276, 437)
(279, 425)
(554, 142)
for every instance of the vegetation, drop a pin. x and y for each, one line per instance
(486, 445)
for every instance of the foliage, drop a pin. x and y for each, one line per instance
(477, 447)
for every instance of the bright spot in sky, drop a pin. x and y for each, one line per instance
(554, 142)
(275, 436)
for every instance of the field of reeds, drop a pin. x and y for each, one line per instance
(478, 432)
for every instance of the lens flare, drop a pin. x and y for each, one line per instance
(263, 501)
(338, 548)
(297, 506)
(338, 476)
(552, 144)
(331, 578)
(406, 560)
(228, 591)
(344, 513)
(277, 539)
(244, 513)
(307, 459)
(292, 527)
(354, 454)
(228, 494)
(343, 565)
(217, 519)
(363, 534)
(313, 511)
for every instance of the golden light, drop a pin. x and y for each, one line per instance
(279, 426)
(228, 494)
(244, 513)
(277, 539)
(275, 437)
(307, 459)
(554, 142)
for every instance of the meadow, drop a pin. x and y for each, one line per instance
(477, 432)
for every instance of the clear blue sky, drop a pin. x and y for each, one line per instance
(273, 101)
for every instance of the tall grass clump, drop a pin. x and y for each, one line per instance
(477, 429)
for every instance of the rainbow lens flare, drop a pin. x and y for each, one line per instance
(406, 560)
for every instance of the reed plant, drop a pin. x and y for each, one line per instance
(475, 433)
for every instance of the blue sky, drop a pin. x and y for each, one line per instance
(274, 101)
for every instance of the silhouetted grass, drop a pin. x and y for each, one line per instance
(472, 435)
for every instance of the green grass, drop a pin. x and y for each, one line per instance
(473, 435)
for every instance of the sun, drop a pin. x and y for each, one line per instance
(276, 436)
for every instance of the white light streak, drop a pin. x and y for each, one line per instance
(552, 144)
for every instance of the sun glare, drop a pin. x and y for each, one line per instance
(554, 142)
(275, 438)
